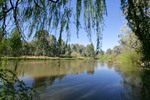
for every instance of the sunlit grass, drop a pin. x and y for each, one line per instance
(130, 57)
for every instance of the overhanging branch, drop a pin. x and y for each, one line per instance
(54, 1)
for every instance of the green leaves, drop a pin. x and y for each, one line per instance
(32, 15)
(15, 43)
(136, 12)
(93, 18)
(8, 89)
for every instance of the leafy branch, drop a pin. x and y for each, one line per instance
(13, 88)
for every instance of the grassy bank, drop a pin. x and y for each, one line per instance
(107, 58)
(130, 57)
(45, 58)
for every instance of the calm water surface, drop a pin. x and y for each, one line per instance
(85, 80)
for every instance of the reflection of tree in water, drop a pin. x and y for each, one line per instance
(102, 63)
(45, 73)
(145, 90)
(109, 64)
(41, 83)
(136, 83)
(90, 72)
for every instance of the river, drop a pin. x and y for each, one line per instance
(84, 80)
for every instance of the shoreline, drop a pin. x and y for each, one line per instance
(46, 58)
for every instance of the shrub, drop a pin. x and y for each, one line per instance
(130, 57)
(75, 54)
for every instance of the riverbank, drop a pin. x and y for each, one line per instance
(46, 58)
(130, 57)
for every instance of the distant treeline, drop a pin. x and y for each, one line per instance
(44, 44)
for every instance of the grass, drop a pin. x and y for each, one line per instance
(107, 58)
(46, 58)
(130, 57)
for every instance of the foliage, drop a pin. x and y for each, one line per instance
(109, 58)
(101, 58)
(68, 51)
(128, 39)
(137, 15)
(42, 43)
(101, 52)
(11, 88)
(61, 47)
(15, 43)
(116, 50)
(108, 52)
(3, 47)
(89, 50)
(75, 54)
(130, 57)
(35, 15)
(52, 42)
(25, 48)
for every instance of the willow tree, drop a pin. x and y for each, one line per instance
(33, 15)
(29, 16)
(57, 15)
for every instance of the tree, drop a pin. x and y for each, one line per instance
(75, 54)
(61, 47)
(108, 52)
(89, 50)
(4, 47)
(15, 43)
(137, 15)
(128, 38)
(32, 45)
(42, 43)
(68, 50)
(52, 42)
(25, 48)
(37, 15)
(116, 50)
(75, 48)
(33, 15)
(101, 52)
(92, 52)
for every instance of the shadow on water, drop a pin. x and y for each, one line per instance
(85, 80)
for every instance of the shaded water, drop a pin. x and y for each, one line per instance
(84, 80)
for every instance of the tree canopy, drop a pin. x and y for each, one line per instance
(138, 15)
(33, 15)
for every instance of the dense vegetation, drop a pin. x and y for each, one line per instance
(129, 51)
(34, 16)
(45, 45)
(137, 13)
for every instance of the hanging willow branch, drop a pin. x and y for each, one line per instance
(33, 15)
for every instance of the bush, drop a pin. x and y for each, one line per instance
(75, 54)
(101, 58)
(130, 57)
(108, 58)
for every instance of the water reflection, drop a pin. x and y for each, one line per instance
(45, 73)
(86, 80)
(136, 82)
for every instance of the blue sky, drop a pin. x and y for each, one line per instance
(113, 22)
